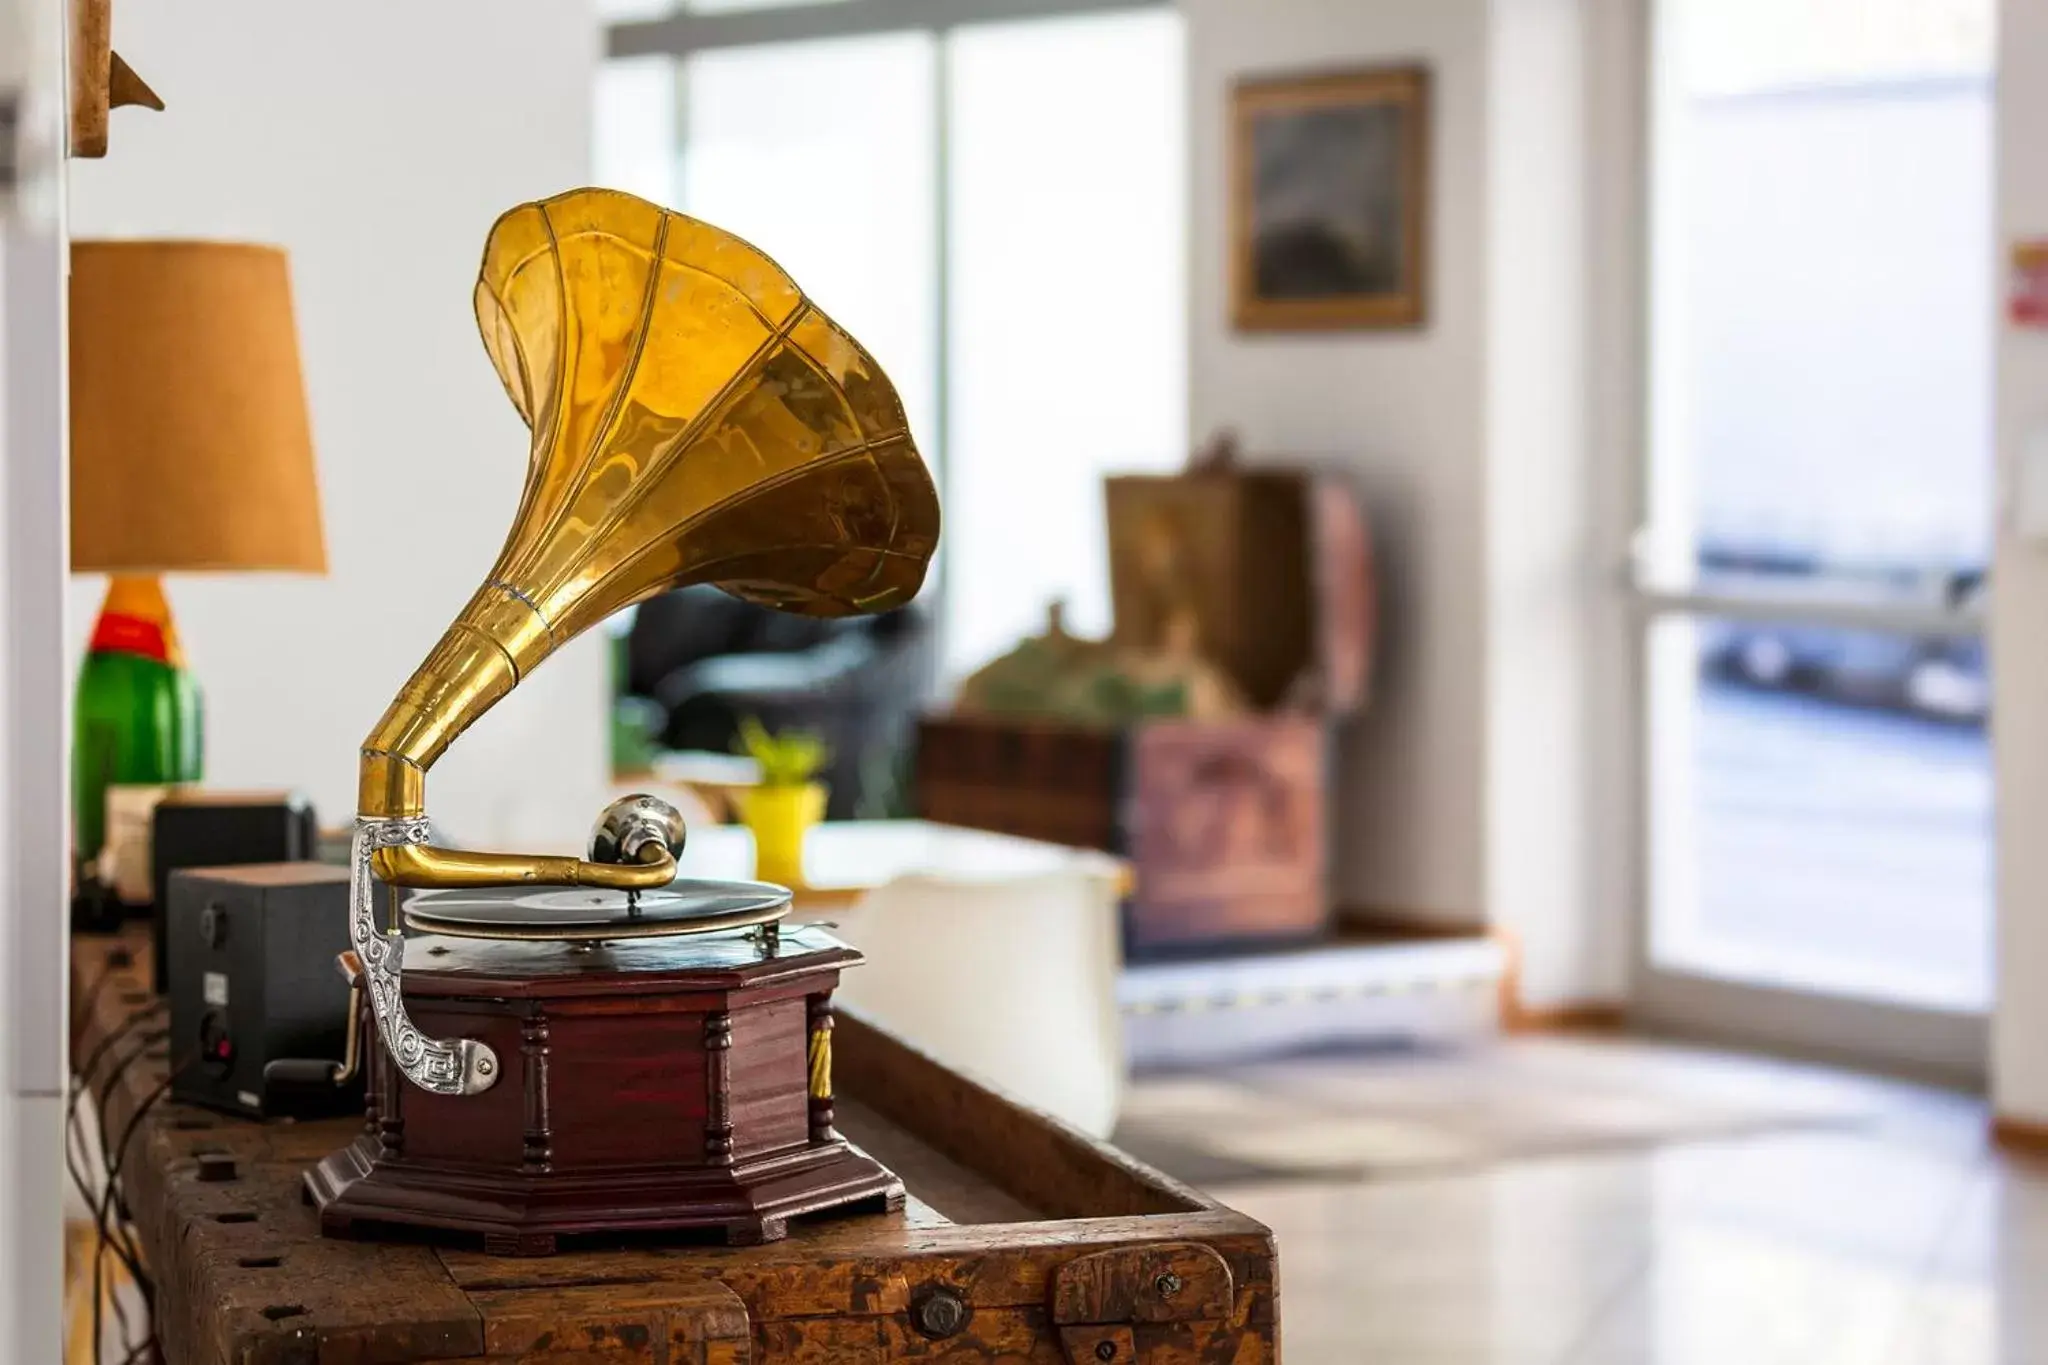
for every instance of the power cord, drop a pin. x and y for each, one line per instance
(116, 1160)
(115, 960)
(109, 1238)
(74, 1138)
(74, 1142)
(101, 1244)
(73, 1129)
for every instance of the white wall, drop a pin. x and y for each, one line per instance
(376, 141)
(2019, 577)
(1403, 412)
(1488, 784)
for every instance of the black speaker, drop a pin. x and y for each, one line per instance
(254, 983)
(222, 829)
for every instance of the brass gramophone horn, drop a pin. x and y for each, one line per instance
(695, 419)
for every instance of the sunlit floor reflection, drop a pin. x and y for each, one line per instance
(1871, 1225)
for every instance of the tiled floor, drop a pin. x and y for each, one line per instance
(1885, 1232)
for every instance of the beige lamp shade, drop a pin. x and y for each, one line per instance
(190, 447)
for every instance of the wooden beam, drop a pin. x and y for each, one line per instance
(92, 53)
(100, 80)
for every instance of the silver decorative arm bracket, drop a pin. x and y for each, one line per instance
(461, 1067)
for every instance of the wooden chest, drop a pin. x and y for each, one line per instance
(1274, 564)
(1020, 1241)
(1223, 822)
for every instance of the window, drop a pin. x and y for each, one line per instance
(997, 211)
(821, 154)
(1067, 352)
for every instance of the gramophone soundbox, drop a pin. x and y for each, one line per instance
(650, 1083)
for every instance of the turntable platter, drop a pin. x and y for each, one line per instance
(682, 907)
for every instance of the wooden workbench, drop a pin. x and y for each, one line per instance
(1022, 1241)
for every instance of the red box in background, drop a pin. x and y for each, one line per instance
(1226, 832)
(1223, 822)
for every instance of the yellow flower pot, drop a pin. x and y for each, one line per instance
(779, 818)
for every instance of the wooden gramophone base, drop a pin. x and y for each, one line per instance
(644, 1086)
(524, 1215)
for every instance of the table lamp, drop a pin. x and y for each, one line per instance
(190, 453)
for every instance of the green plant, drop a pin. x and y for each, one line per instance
(635, 720)
(789, 759)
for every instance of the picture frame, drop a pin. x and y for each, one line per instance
(1329, 190)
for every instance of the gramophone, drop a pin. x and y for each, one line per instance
(590, 1045)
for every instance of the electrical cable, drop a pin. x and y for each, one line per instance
(112, 962)
(148, 1039)
(115, 960)
(115, 1234)
(119, 1031)
(74, 1138)
(84, 1087)
(101, 1246)
(105, 1240)
(119, 1153)
(74, 1142)
(74, 1134)
(108, 1238)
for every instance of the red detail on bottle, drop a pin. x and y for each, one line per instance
(119, 634)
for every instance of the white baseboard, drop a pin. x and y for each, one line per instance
(1218, 1011)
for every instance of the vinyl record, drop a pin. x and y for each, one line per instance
(564, 912)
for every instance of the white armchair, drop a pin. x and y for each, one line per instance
(1012, 979)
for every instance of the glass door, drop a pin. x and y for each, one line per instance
(1819, 503)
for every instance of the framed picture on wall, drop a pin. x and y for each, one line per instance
(1329, 186)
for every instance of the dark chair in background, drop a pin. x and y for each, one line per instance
(705, 659)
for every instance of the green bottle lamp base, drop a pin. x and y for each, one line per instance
(137, 720)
